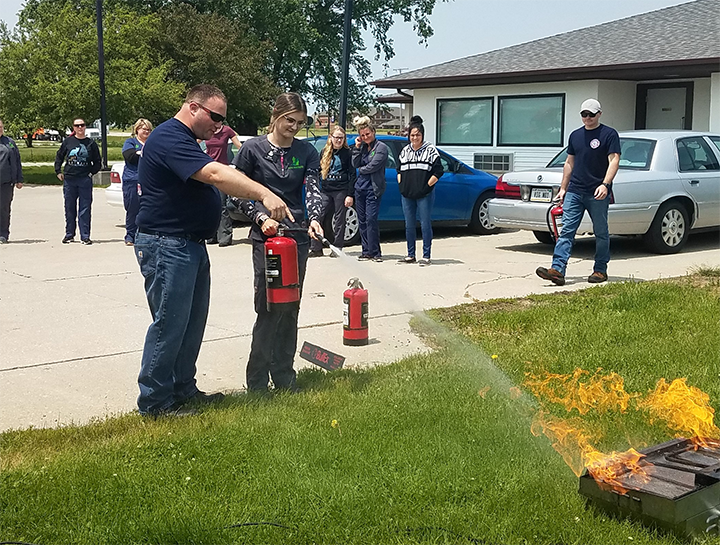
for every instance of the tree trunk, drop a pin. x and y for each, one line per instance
(28, 139)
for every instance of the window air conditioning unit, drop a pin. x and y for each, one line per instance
(493, 162)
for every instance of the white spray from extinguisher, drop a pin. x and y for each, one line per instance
(333, 249)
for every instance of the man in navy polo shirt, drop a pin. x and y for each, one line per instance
(179, 210)
(590, 168)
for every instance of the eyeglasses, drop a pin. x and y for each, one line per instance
(294, 122)
(78, 124)
(337, 137)
(216, 117)
(588, 114)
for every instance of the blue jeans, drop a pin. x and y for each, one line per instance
(367, 206)
(177, 285)
(423, 208)
(574, 207)
(78, 190)
(131, 200)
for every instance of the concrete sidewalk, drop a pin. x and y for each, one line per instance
(73, 318)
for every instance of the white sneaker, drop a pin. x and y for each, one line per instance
(424, 262)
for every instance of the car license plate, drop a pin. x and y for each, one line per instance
(540, 194)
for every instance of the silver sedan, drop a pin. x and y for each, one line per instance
(668, 184)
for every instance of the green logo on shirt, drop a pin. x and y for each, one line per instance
(295, 163)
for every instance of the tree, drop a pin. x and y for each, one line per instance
(228, 56)
(49, 67)
(305, 38)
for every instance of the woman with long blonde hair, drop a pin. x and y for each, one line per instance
(338, 183)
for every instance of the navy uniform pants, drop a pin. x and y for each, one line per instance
(78, 193)
(6, 197)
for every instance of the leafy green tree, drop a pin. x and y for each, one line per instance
(304, 38)
(49, 67)
(222, 53)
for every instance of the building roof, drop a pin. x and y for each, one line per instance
(405, 97)
(679, 41)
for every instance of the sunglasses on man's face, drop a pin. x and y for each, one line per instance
(216, 117)
(588, 114)
(78, 125)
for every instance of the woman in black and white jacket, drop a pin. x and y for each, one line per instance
(418, 172)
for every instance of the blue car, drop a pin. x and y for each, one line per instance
(461, 194)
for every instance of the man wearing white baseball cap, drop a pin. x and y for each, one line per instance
(591, 165)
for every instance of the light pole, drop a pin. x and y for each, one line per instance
(101, 73)
(346, 63)
(402, 106)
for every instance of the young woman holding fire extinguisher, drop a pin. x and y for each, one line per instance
(283, 164)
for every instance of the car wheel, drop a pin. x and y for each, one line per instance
(544, 236)
(352, 226)
(480, 222)
(669, 230)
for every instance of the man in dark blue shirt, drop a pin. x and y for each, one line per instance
(590, 168)
(179, 209)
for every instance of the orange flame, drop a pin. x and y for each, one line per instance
(572, 442)
(685, 409)
(601, 393)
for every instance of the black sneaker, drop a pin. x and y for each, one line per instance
(176, 410)
(202, 398)
(3, 240)
(86, 241)
(68, 239)
(316, 253)
(364, 258)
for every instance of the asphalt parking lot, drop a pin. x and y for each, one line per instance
(73, 317)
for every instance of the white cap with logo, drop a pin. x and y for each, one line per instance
(591, 105)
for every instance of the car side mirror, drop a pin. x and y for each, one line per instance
(457, 168)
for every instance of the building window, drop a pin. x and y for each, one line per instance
(465, 121)
(535, 120)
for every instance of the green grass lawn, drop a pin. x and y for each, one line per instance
(44, 175)
(44, 152)
(432, 449)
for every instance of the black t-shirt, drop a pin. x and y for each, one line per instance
(172, 202)
(283, 171)
(591, 150)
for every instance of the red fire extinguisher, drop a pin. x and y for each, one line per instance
(554, 219)
(282, 280)
(355, 314)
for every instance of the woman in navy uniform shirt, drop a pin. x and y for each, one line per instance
(132, 151)
(283, 164)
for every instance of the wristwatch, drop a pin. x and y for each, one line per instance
(607, 185)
